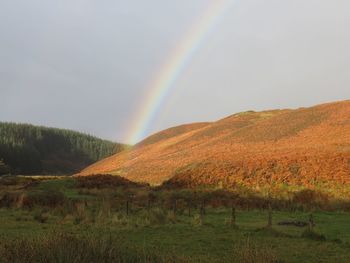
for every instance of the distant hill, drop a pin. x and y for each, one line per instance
(304, 147)
(27, 149)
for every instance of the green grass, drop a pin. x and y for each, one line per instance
(64, 184)
(143, 236)
(212, 242)
(216, 239)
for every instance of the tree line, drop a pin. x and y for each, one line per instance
(28, 149)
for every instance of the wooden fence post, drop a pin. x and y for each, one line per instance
(202, 213)
(269, 220)
(311, 222)
(174, 206)
(149, 205)
(233, 215)
(127, 207)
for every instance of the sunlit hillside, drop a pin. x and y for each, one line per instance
(304, 147)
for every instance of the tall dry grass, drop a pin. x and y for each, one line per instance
(64, 248)
(249, 252)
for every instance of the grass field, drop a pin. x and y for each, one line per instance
(97, 229)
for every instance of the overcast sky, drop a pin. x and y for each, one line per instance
(85, 64)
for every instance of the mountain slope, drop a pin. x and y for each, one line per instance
(29, 149)
(172, 132)
(305, 146)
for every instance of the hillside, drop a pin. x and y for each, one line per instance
(304, 147)
(28, 149)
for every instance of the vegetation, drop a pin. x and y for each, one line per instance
(308, 147)
(104, 181)
(4, 169)
(28, 149)
(65, 219)
(92, 247)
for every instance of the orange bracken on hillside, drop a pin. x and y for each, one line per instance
(306, 147)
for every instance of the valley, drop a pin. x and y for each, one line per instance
(262, 187)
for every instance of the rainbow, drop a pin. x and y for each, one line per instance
(175, 65)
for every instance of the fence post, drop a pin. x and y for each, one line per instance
(202, 212)
(311, 222)
(233, 215)
(175, 206)
(149, 205)
(203, 207)
(269, 222)
(127, 207)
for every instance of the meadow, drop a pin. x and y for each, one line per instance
(104, 219)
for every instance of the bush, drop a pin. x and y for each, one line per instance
(104, 181)
(311, 198)
(44, 198)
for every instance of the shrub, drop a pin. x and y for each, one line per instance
(44, 198)
(104, 181)
(311, 198)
